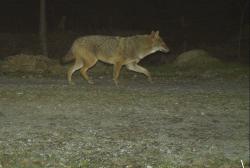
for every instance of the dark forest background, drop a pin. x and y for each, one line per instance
(184, 25)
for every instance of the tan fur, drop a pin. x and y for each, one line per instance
(119, 51)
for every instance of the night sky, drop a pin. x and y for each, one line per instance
(23, 15)
(198, 21)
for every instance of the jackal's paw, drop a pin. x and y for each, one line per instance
(116, 83)
(72, 83)
(150, 80)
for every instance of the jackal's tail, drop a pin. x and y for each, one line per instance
(68, 57)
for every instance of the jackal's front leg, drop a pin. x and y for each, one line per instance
(116, 72)
(137, 68)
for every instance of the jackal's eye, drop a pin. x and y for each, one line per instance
(161, 42)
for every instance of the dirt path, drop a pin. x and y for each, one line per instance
(172, 123)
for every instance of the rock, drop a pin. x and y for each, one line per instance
(56, 69)
(195, 58)
(37, 64)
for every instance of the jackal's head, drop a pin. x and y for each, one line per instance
(157, 43)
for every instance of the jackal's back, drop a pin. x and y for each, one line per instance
(98, 44)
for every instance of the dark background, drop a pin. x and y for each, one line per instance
(210, 24)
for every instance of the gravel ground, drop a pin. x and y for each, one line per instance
(44, 122)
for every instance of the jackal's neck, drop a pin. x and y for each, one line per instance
(143, 45)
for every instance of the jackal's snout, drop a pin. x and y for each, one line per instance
(164, 48)
(158, 42)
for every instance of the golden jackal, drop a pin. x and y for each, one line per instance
(119, 51)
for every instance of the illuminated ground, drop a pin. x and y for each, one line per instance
(44, 122)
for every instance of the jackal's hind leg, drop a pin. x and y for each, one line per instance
(137, 68)
(87, 64)
(77, 65)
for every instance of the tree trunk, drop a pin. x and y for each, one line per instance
(241, 25)
(61, 25)
(184, 26)
(43, 25)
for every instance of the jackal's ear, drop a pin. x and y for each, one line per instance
(152, 34)
(157, 33)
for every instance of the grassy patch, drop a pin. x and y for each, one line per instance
(222, 70)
